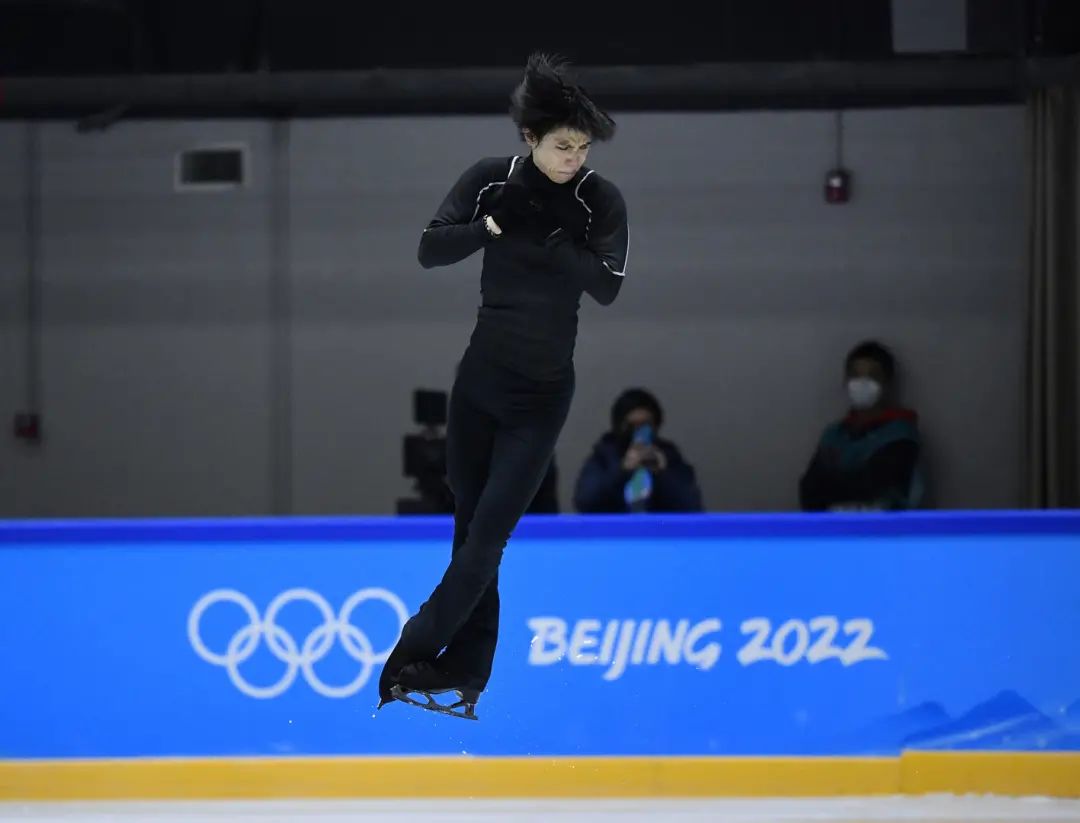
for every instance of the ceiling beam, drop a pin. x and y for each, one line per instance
(480, 90)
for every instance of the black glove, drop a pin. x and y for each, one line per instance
(557, 238)
(520, 211)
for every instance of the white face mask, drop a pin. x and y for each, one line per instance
(863, 392)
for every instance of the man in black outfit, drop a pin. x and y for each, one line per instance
(551, 229)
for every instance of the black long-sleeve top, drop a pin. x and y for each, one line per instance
(532, 280)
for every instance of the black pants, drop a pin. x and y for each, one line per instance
(501, 434)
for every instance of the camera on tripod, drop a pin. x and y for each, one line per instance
(424, 456)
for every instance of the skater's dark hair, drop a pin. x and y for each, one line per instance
(872, 350)
(635, 399)
(548, 98)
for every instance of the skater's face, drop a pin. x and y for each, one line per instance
(560, 154)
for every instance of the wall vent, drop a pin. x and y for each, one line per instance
(213, 168)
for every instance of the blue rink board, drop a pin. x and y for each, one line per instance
(715, 634)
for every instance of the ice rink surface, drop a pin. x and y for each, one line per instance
(851, 810)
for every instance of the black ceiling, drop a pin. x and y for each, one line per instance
(89, 37)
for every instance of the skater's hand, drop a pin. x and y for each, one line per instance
(516, 208)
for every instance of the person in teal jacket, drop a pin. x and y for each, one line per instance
(869, 459)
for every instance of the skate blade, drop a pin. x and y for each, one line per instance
(467, 710)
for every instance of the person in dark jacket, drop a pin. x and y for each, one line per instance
(867, 460)
(631, 468)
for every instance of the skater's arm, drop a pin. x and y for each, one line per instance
(457, 230)
(598, 267)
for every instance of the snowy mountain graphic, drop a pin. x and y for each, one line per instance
(1004, 722)
(1072, 714)
(883, 736)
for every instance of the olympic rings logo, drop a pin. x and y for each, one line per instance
(297, 659)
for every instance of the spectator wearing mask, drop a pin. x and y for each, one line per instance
(868, 460)
(633, 469)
